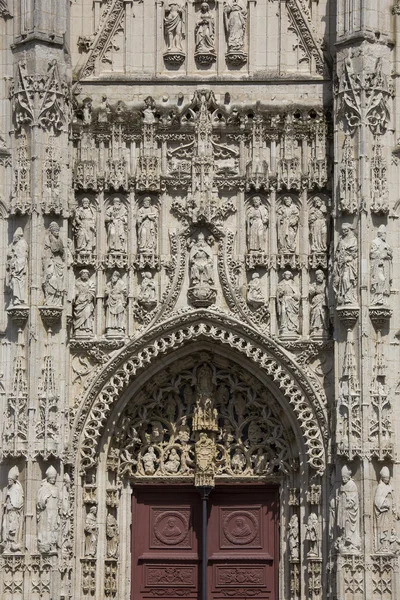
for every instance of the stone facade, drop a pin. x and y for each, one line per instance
(199, 229)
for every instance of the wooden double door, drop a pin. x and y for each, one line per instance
(242, 543)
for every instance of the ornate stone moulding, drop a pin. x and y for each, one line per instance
(236, 58)
(205, 58)
(380, 315)
(348, 315)
(18, 314)
(51, 315)
(174, 58)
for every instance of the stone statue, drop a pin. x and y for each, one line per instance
(92, 532)
(235, 17)
(65, 513)
(12, 519)
(318, 304)
(85, 227)
(205, 416)
(147, 293)
(238, 461)
(348, 514)
(288, 224)
(260, 462)
(47, 514)
(116, 298)
(318, 226)
(381, 255)
(112, 534)
(149, 110)
(205, 31)
(288, 301)
(205, 460)
(104, 110)
(147, 224)
(345, 267)
(117, 225)
(173, 463)
(293, 535)
(312, 535)
(149, 461)
(53, 266)
(174, 26)
(85, 292)
(201, 272)
(385, 512)
(17, 267)
(257, 223)
(255, 297)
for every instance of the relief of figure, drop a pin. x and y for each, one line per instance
(345, 267)
(255, 297)
(83, 311)
(205, 31)
(257, 223)
(150, 461)
(112, 534)
(116, 298)
(147, 224)
(348, 514)
(288, 225)
(117, 224)
(288, 301)
(65, 513)
(201, 265)
(147, 295)
(385, 512)
(318, 305)
(12, 518)
(381, 255)
(293, 535)
(173, 463)
(85, 227)
(53, 266)
(318, 226)
(235, 17)
(174, 26)
(312, 535)
(104, 110)
(149, 110)
(205, 460)
(92, 532)
(260, 462)
(47, 514)
(17, 268)
(238, 461)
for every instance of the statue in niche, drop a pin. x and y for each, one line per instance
(116, 298)
(65, 513)
(53, 266)
(385, 512)
(12, 519)
(173, 463)
(92, 532)
(288, 300)
(150, 461)
(112, 534)
(288, 225)
(381, 255)
(149, 117)
(345, 267)
(104, 110)
(147, 296)
(205, 416)
(85, 292)
(205, 460)
(17, 267)
(147, 224)
(318, 305)
(257, 223)
(318, 225)
(174, 26)
(312, 535)
(47, 514)
(238, 461)
(235, 17)
(260, 462)
(294, 542)
(348, 514)
(205, 31)
(85, 227)
(201, 263)
(255, 297)
(117, 225)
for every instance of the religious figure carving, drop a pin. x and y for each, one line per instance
(12, 518)
(205, 34)
(104, 110)
(260, 462)
(294, 543)
(257, 223)
(345, 267)
(17, 267)
(312, 535)
(205, 416)
(202, 291)
(381, 255)
(288, 300)
(288, 224)
(385, 512)
(173, 463)
(85, 227)
(235, 17)
(147, 296)
(149, 461)
(112, 534)
(255, 297)
(92, 532)
(117, 224)
(318, 226)
(116, 298)
(238, 461)
(147, 225)
(65, 513)
(53, 266)
(47, 514)
(318, 305)
(85, 292)
(174, 26)
(348, 515)
(205, 460)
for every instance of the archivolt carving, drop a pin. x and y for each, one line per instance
(201, 324)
